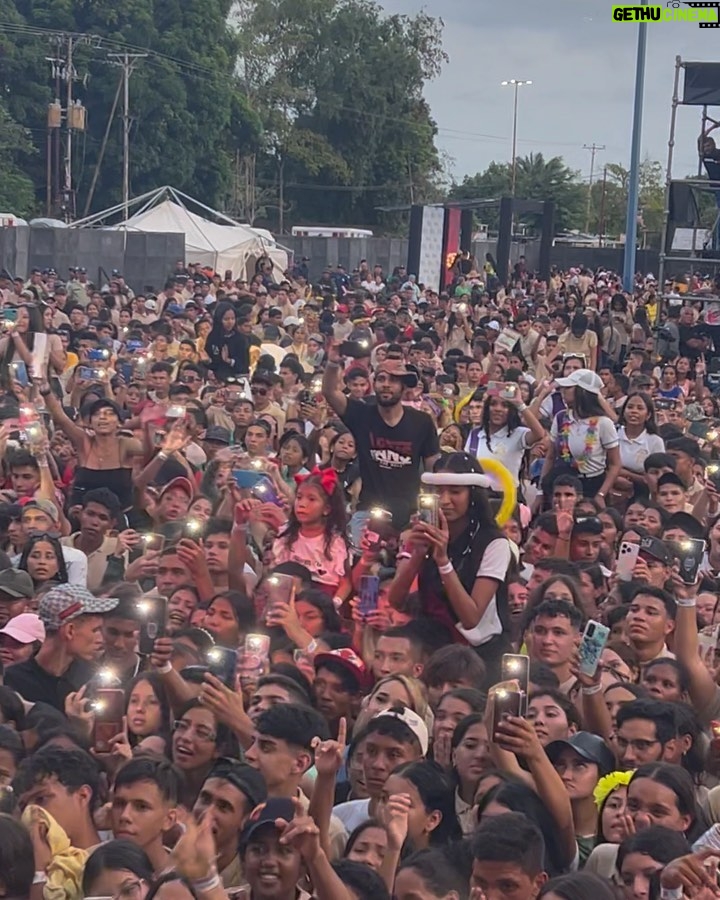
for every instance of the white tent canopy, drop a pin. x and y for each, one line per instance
(222, 245)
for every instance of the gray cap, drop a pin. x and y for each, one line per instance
(66, 602)
(16, 583)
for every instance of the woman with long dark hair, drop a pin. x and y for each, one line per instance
(637, 433)
(432, 821)
(513, 797)
(461, 564)
(343, 458)
(42, 558)
(227, 349)
(508, 428)
(147, 709)
(584, 438)
(19, 345)
(117, 869)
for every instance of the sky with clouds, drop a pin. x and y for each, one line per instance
(582, 65)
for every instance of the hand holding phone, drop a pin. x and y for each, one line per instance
(368, 594)
(429, 509)
(254, 658)
(626, 559)
(592, 645)
(516, 667)
(153, 618)
(109, 709)
(505, 704)
(280, 592)
(222, 663)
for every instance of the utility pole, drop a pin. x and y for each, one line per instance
(60, 190)
(601, 236)
(634, 179)
(103, 146)
(67, 185)
(593, 148)
(128, 61)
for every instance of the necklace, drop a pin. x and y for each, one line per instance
(590, 441)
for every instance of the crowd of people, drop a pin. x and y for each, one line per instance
(354, 589)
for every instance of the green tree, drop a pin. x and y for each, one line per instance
(613, 207)
(17, 194)
(535, 179)
(189, 114)
(352, 77)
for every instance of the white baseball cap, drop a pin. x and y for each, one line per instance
(413, 722)
(582, 378)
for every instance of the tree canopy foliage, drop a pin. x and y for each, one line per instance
(323, 97)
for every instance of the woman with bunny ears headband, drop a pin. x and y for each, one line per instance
(461, 563)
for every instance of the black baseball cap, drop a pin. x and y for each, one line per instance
(655, 548)
(267, 813)
(589, 746)
(242, 776)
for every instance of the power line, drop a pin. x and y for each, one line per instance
(212, 75)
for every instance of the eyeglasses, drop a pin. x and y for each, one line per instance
(262, 391)
(616, 671)
(200, 731)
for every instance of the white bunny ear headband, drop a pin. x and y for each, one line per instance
(463, 479)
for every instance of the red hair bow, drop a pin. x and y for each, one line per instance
(327, 477)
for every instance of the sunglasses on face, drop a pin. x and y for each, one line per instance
(261, 391)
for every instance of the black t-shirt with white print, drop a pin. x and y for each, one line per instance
(390, 457)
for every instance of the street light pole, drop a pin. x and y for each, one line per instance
(634, 179)
(516, 84)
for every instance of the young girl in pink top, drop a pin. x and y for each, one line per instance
(315, 532)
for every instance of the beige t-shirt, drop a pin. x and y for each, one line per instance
(568, 343)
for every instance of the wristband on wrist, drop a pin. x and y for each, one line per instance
(686, 602)
(522, 407)
(311, 647)
(162, 455)
(446, 569)
(207, 884)
(39, 877)
(593, 689)
(165, 668)
(671, 893)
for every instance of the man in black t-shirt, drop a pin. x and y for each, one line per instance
(693, 336)
(73, 619)
(392, 441)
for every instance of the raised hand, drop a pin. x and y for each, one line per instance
(394, 818)
(195, 853)
(330, 755)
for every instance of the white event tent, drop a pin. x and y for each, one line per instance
(221, 244)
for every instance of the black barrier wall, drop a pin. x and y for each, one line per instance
(147, 259)
(144, 259)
